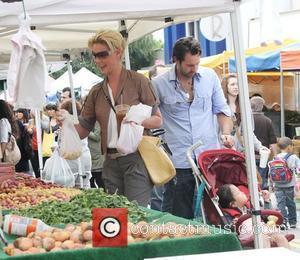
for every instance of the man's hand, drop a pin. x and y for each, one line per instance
(227, 141)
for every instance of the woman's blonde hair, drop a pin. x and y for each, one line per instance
(113, 39)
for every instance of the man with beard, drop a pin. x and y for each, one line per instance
(191, 98)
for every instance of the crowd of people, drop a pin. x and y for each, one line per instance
(188, 101)
(21, 124)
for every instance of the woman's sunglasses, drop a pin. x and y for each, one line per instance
(101, 54)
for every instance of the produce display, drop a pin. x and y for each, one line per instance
(80, 236)
(71, 237)
(79, 208)
(21, 191)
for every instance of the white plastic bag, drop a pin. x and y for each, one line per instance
(131, 132)
(138, 113)
(57, 170)
(131, 135)
(70, 146)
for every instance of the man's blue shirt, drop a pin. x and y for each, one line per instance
(186, 123)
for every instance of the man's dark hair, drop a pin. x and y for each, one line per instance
(67, 89)
(225, 196)
(185, 45)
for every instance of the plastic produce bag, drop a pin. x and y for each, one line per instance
(58, 171)
(131, 132)
(131, 135)
(70, 146)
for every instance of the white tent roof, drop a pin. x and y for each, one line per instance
(72, 22)
(82, 78)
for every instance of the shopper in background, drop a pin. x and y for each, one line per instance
(24, 141)
(8, 126)
(231, 93)
(285, 192)
(264, 131)
(51, 132)
(65, 94)
(94, 143)
(31, 128)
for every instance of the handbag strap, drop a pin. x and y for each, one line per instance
(107, 98)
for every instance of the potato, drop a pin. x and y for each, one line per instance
(88, 235)
(9, 249)
(23, 243)
(76, 236)
(57, 243)
(37, 242)
(85, 226)
(61, 235)
(48, 243)
(78, 246)
(31, 235)
(70, 227)
(68, 244)
(56, 249)
(34, 250)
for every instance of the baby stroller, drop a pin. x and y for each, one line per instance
(219, 167)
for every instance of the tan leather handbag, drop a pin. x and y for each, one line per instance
(158, 163)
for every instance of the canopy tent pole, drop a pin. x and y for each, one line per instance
(127, 59)
(5, 90)
(282, 129)
(74, 109)
(246, 113)
(71, 83)
(39, 139)
(123, 31)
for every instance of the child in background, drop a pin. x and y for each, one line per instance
(231, 197)
(284, 192)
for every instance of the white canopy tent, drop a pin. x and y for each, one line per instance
(71, 22)
(82, 78)
(74, 21)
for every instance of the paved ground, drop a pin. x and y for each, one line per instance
(295, 244)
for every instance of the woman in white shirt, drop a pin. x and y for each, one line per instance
(7, 126)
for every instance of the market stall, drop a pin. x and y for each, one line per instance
(146, 17)
(218, 241)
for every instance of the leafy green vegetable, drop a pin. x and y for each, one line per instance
(79, 208)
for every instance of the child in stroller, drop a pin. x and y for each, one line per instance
(217, 168)
(231, 197)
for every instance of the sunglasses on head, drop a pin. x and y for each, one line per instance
(101, 54)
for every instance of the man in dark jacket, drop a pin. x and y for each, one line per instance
(264, 131)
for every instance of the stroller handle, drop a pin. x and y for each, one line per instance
(195, 169)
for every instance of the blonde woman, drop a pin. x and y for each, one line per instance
(126, 175)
